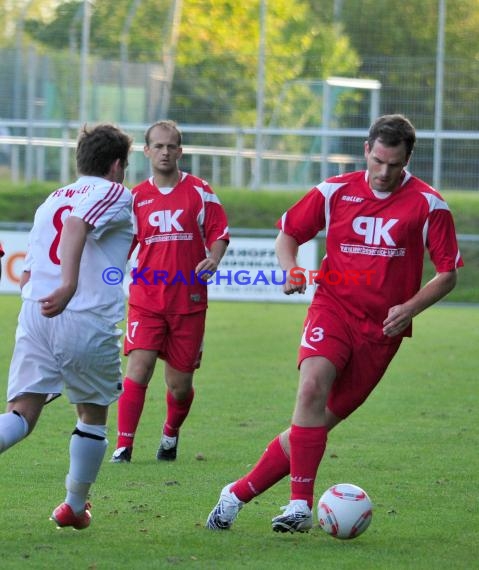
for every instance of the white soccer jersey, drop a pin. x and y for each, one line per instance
(104, 205)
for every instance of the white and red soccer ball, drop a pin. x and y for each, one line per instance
(344, 511)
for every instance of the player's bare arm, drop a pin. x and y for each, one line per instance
(287, 251)
(209, 265)
(400, 316)
(72, 243)
(24, 278)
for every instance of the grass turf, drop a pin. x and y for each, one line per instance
(412, 446)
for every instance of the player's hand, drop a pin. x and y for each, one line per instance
(206, 268)
(55, 303)
(398, 319)
(294, 284)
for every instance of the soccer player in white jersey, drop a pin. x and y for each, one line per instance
(67, 336)
(2, 253)
(378, 223)
(182, 233)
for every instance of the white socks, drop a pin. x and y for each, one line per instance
(13, 428)
(86, 456)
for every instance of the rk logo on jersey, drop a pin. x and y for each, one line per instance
(374, 230)
(166, 220)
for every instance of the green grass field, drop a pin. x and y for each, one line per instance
(412, 446)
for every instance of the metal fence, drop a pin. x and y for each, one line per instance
(319, 132)
(44, 150)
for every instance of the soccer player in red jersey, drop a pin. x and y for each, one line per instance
(182, 233)
(378, 223)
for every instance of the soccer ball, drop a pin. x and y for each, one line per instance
(344, 511)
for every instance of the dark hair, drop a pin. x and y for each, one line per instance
(164, 124)
(99, 147)
(392, 130)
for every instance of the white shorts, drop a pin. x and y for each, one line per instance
(75, 352)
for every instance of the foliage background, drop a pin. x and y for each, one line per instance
(216, 54)
(205, 71)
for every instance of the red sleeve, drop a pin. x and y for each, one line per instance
(216, 221)
(442, 242)
(305, 218)
(2, 253)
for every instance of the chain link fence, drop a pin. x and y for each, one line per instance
(40, 98)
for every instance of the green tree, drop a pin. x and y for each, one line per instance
(403, 42)
(14, 12)
(382, 28)
(225, 36)
(217, 54)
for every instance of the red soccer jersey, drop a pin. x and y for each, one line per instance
(375, 243)
(174, 227)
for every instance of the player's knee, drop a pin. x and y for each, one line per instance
(140, 367)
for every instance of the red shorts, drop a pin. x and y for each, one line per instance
(360, 363)
(178, 339)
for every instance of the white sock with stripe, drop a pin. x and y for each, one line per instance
(13, 428)
(87, 449)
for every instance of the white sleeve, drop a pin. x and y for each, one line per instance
(107, 203)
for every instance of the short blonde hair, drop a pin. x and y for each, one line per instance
(164, 124)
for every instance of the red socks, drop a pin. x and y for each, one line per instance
(307, 449)
(176, 413)
(307, 445)
(272, 466)
(130, 407)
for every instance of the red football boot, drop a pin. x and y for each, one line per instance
(64, 516)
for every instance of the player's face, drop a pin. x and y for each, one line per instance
(385, 165)
(163, 150)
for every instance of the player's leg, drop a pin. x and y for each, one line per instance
(324, 353)
(183, 356)
(89, 357)
(88, 445)
(139, 370)
(20, 419)
(33, 375)
(144, 341)
(179, 398)
(348, 390)
(307, 440)
(272, 466)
